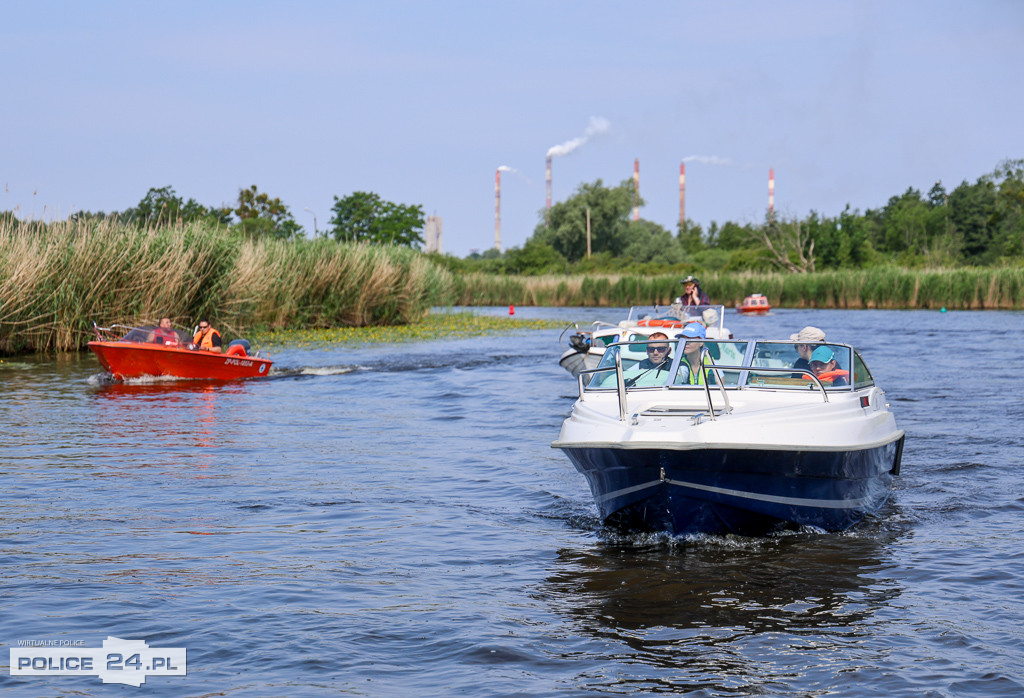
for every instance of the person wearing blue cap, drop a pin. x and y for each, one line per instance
(694, 334)
(823, 364)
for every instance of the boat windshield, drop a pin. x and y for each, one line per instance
(152, 334)
(677, 312)
(645, 363)
(709, 353)
(831, 363)
(650, 363)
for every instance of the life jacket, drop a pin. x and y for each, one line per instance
(165, 337)
(695, 377)
(829, 376)
(205, 341)
(660, 322)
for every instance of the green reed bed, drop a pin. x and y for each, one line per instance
(55, 280)
(881, 287)
(430, 327)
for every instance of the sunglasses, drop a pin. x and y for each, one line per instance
(204, 327)
(660, 350)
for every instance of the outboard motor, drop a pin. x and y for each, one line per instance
(579, 343)
(244, 343)
(238, 347)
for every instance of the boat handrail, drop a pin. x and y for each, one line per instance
(570, 326)
(769, 369)
(620, 386)
(721, 386)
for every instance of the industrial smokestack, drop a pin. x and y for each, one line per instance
(547, 180)
(596, 127)
(636, 189)
(682, 193)
(547, 186)
(771, 193)
(497, 209)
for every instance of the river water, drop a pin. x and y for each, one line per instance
(391, 521)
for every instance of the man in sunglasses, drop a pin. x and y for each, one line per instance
(653, 369)
(206, 338)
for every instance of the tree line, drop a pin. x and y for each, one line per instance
(358, 217)
(975, 224)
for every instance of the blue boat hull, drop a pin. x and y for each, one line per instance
(747, 492)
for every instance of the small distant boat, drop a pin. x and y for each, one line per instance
(140, 353)
(754, 304)
(757, 446)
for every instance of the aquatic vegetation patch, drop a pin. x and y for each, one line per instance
(431, 327)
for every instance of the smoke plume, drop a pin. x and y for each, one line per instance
(596, 127)
(707, 160)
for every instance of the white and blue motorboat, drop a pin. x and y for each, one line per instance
(754, 442)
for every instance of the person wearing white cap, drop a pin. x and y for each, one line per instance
(807, 340)
(711, 321)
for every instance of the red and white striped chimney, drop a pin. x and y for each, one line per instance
(682, 193)
(636, 189)
(497, 209)
(547, 180)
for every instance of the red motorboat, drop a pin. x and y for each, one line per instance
(754, 304)
(142, 352)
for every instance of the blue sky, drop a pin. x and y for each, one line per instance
(421, 102)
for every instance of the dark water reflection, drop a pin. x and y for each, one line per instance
(392, 521)
(728, 615)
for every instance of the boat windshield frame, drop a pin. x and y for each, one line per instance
(137, 334)
(675, 311)
(764, 364)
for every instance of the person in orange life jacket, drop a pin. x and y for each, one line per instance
(207, 338)
(164, 334)
(694, 334)
(823, 363)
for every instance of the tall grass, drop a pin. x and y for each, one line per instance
(882, 287)
(55, 280)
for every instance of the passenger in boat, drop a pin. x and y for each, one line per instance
(653, 369)
(206, 338)
(694, 333)
(710, 318)
(692, 293)
(823, 364)
(807, 340)
(164, 334)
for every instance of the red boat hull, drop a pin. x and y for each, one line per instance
(131, 360)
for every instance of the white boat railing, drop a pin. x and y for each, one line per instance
(621, 390)
(766, 369)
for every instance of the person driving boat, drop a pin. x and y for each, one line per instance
(653, 369)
